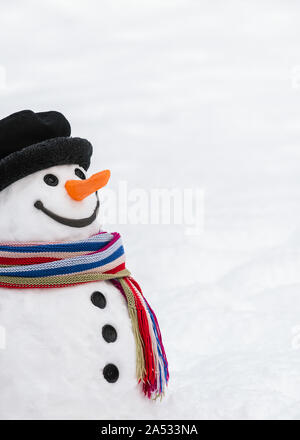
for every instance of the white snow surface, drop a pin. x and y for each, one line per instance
(188, 94)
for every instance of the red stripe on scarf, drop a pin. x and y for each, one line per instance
(116, 269)
(26, 261)
(52, 286)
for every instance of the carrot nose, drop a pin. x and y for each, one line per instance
(80, 189)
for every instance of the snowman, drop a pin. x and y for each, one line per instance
(79, 334)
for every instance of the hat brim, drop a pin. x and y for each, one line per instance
(46, 154)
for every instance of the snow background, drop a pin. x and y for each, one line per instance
(186, 94)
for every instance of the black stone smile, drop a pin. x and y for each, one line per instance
(74, 223)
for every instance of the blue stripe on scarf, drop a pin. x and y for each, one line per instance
(65, 247)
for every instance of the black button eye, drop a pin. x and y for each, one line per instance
(51, 180)
(80, 174)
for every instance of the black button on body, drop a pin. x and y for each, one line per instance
(111, 373)
(98, 299)
(109, 333)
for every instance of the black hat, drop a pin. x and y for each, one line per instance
(31, 142)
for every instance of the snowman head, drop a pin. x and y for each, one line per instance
(45, 192)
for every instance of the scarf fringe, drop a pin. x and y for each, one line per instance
(152, 365)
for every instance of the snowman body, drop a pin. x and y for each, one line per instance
(57, 347)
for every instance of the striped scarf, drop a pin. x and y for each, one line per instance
(100, 257)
